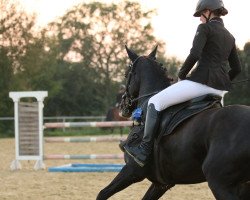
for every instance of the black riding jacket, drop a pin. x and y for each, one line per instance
(213, 47)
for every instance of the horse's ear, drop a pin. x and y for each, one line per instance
(153, 53)
(131, 54)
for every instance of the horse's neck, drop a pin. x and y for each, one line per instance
(151, 85)
(148, 89)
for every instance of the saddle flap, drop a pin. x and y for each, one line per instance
(174, 115)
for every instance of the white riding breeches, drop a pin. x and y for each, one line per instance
(180, 92)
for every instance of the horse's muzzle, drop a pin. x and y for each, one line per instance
(125, 112)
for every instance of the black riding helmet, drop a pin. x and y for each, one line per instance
(210, 5)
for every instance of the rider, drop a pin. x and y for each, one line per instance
(213, 46)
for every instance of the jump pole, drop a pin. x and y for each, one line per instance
(89, 124)
(84, 156)
(76, 167)
(84, 139)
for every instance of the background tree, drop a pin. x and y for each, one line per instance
(240, 93)
(80, 58)
(15, 33)
(92, 36)
(172, 65)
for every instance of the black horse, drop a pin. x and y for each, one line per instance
(212, 146)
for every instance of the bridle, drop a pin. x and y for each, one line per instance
(129, 76)
(127, 99)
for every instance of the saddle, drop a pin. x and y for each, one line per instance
(175, 115)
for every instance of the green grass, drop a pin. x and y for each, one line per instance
(85, 131)
(10, 133)
(72, 132)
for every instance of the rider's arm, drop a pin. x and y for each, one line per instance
(199, 42)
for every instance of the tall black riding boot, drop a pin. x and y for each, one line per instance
(142, 152)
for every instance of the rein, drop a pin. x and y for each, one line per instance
(145, 95)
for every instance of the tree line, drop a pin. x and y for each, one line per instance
(80, 57)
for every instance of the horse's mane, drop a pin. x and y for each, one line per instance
(161, 70)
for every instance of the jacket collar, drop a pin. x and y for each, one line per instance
(217, 19)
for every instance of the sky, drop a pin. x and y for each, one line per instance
(174, 22)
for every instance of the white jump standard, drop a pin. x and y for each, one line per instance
(28, 128)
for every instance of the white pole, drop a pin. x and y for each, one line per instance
(16, 165)
(39, 164)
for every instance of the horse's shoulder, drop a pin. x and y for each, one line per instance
(237, 106)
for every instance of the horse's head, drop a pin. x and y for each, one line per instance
(145, 77)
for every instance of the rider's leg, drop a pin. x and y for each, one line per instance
(180, 92)
(142, 152)
(177, 93)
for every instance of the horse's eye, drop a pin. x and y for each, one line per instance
(126, 74)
